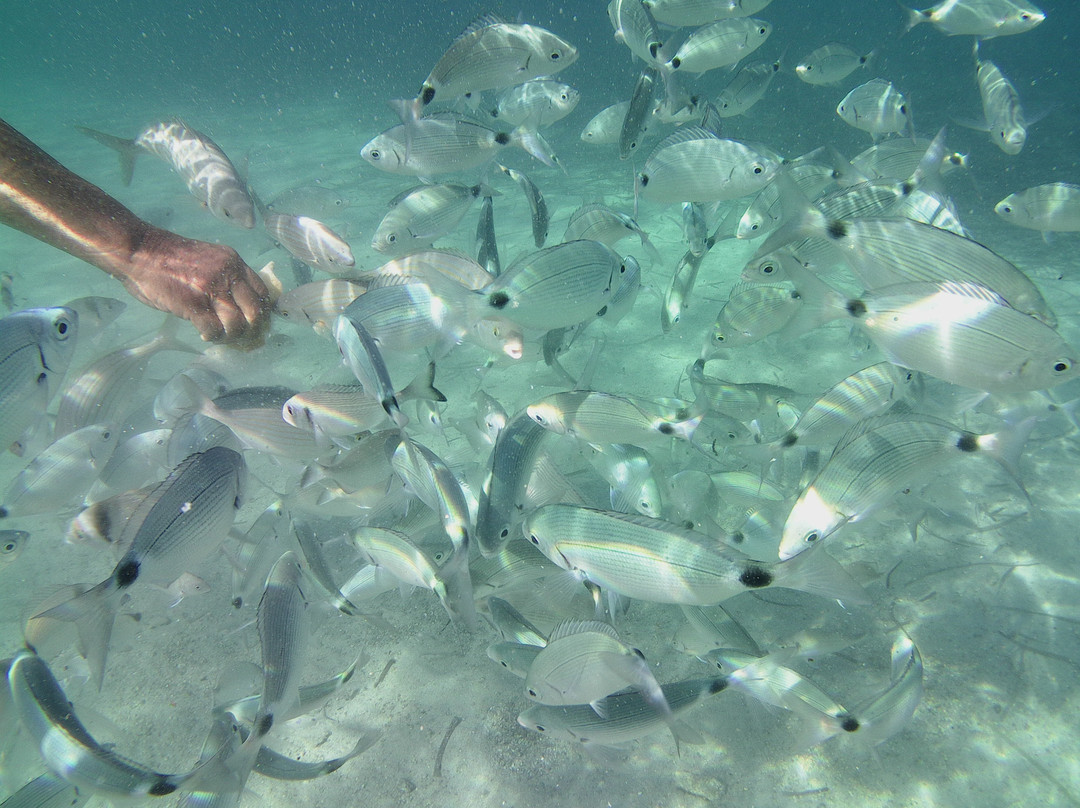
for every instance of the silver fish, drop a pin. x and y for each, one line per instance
(312, 199)
(1048, 208)
(425, 213)
(446, 142)
(898, 157)
(604, 418)
(606, 125)
(1001, 106)
(319, 302)
(210, 176)
(635, 28)
(556, 287)
(536, 103)
(487, 247)
(68, 748)
(982, 18)
(694, 165)
(282, 638)
(700, 12)
(831, 64)
(600, 223)
(537, 206)
(491, 54)
(639, 112)
(747, 88)
(876, 459)
(185, 518)
(515, 657)
(719, 44)
(877, 108)
(36, 346)
(362, 355)
(310, 241)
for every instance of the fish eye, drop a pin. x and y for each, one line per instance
(811, 537)
(622, 268)
(106, 435)
(391, 238)
(540, 728)
(808, 67)
(1006, 209)
(718, 337)
(9, 546)
(532, 692)
(563, 96)
(1061, 366)
(62, 327)
(1025, 16)
(768, 269)
(762, 30)
(555, 56)
(842, 108)
(374, 154)
(903, 109)
(758, 168)
(534, 540)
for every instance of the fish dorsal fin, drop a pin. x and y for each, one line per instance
(685, 134)
(569, 627)
(483, 21)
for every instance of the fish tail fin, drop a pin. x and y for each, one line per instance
(912, 17)
(126, 149)
(800, 218)
(821, 303)
(422, 388)
(93, 611)
(927, 175)
(534, 144)
(1005, 447)
(818, 573)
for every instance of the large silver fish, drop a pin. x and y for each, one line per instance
(719, 44)
(310, 241)
(210, 176)
(694, 165)
(1048, 208)
(1001, 106)
(982, 18)
(536, 103)
(488, 55)
(831, 64)
(877, 108)
(423, 214)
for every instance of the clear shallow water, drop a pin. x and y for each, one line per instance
(298, 95)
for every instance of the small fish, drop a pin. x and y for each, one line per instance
(445, 142)
(635, 28)
(210, 176)
(12, 543)
(59, 477)
(1001, 106)
(877, 108)
(362, 355)
(898, 157)
(487, 247)
(984, 19)
(515, 657)
(488, 55)
(583, 662)
(752, 312)
(631, 474)
(310, 241)
(36, 346)
(538, 103)
(283, 631)
(429, 479)
(537, 206)
(186, 586)
(600, 223)
(183, 520)
(1047, 208)
(639, 112)
(657, 561)
(396, 554)
(695, 228)
(68, 748)
(425, 213)
(694, 165)
(719, 44)
(875, 460)
(746, 89)
(556, 287)
(318, 303)
(606, 125)
(831, 64)
(605, 418)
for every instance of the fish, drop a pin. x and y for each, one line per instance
(635, 28)
(700, 12)
(598, 222)
(875, 460)
(105, 520)
(515, 657)
(12, 544)
(425, 213)
(311, 199)
(538, 103)
(657, 561)
(752, 312)
(694, 165)
(831, 64)
(747, 88)
(488, 55)
(720, 44)
(604, 418)
(898, 157)
(201, 163)
(319, 302)
(984, 19)
(283, 631)
(606, 125)
(1054, 207)
(182, 521)
(447, 142)
(36, 346)
(538, 209)
(362, 355)
(639, 112)
(632, 477)
(695, 228)
(61, 475)
(1001, 106)
(429, 479)
(556, 287)
(310, 241)
(877, 108)
(68, 748)
(584, 661)
(487, 247)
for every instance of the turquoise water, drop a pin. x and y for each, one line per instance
(293, 95)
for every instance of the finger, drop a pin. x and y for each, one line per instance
(251, 296)
(207, 322)
(231, 317)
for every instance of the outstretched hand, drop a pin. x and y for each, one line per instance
(208, 284)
